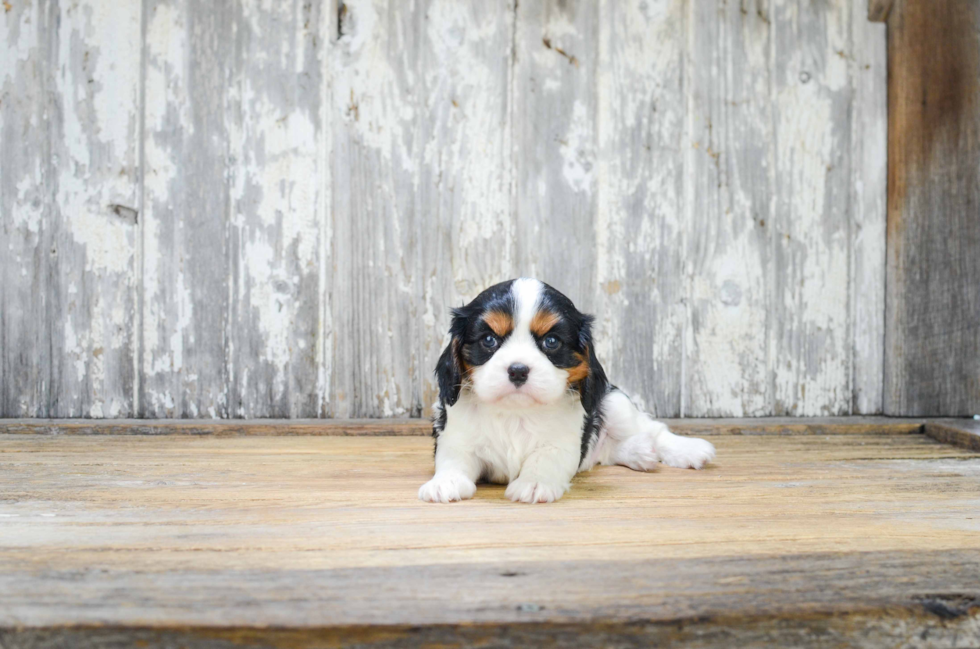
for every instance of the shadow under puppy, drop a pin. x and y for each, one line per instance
(523, 401)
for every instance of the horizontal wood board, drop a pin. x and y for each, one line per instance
(317, 541)
(417, 427)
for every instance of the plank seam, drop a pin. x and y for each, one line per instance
(420, 427)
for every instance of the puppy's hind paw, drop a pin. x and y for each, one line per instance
(637, 452)
(446, 488)
(687, 453)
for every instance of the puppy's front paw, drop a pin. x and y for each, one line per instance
(529, 491)
(445, 488)
(687, 453)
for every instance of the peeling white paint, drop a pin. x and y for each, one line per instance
(699, 159)
(577, 151)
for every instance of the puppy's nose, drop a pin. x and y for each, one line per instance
(518, 373)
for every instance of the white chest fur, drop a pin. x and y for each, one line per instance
(503, 440)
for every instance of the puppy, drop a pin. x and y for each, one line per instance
(523, 401)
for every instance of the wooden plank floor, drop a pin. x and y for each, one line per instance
(177, 540)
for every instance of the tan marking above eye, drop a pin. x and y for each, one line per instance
(501, 323)
(543, 321)
(580, 371)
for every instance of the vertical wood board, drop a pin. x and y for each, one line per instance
(932, 350)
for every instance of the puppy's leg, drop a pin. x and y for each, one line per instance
(545, 475)
(634, 439)
(457, 470)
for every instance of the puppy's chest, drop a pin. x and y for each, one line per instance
(503, 441)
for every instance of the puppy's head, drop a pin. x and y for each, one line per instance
(520, 344)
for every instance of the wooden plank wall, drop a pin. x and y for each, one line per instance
(933, 319)
(237, 209)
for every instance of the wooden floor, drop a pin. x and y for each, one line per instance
(860, 536)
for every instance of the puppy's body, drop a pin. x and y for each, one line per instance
(524, 401)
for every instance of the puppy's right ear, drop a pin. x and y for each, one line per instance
(450, 368)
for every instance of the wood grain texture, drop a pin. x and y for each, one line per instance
(639, 228)
(878, 10)
(315, 186)
(467, 221)
(26, 207)
(898, 616)
(868, 159)
(809, 351)
(421, 427)
(291, 541)
(237, 427)
(729, 176)
(375, 286)
(960, 432)
(554, 118)
(71, 91)
(92, 287)
(187, 224)
(277, 178)
(932, 360)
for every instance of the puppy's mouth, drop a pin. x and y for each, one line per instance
(518, 398)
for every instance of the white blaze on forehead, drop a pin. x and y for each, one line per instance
(527, 294)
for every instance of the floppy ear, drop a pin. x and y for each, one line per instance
(594, 386)
(449, 369)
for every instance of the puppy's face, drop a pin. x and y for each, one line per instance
(519, 344)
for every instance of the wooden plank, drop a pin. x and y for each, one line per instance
(797, 426)
(960, 432)
(804, 494)
(422, 427)
(187, 211)
(868, 65)
(932, 351)
(638, 225)
(311, 538)
(218, 428)
(809, 347)
(554, 116)
(274, 120)
(70, 318)
(729, 183)
(374, 279)
(26, 208)
(92, 289)
(878, 10)
(873, 599)
(465, 190)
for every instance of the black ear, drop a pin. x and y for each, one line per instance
(594, 386)
(449, 369)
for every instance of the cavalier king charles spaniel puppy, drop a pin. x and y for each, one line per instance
(523, 401)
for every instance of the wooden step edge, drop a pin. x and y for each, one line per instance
(220, 427)
(867, 626)
(964, 433)
(422, 427)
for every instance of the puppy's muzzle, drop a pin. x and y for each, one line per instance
(518, 374)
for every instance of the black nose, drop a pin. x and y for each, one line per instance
(518, 373)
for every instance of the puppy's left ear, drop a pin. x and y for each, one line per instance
(450, 368)
(594, 386)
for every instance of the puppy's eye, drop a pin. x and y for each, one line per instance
(489, 341)
(551, 343)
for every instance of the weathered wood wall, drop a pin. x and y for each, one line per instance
(253, 209)
(933, 318)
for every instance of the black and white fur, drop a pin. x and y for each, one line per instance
(535, 427)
